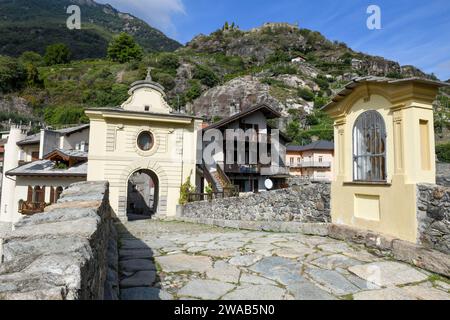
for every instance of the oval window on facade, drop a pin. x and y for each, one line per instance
(145, 141)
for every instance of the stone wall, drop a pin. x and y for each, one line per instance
(433, 217)
(443, 174)
(307, 203)
(62, 253)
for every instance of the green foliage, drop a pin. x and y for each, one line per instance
(124, 48)
(283, 69)
(41, 23)
(278, 56)
(32, 57)
(32, 75)
(12, 74)
(319, 125)
(65, 115)
(169, 61)
(319, 102)
(165, 79)
(57, 53)
(185, 189)
(208, 189)
(306, 94)
(60, 165)
(322, 82)
(194, 91)
(443, 152)
(394, 75)
(205, 75)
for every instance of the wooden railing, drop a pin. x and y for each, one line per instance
(30, 208)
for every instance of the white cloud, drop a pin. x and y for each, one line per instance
(157, 13)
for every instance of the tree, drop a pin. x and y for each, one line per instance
(124, 48)
(205, 75)
(12, 74)
(57, 53)
(169, 61)
(31, 57)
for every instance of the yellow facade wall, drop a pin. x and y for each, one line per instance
(114, 156)
(355, 203)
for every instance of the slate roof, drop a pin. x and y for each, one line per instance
(268, 111)
(46, 168)
(36, 138)
(33, 139)
(70, 153)
(349, 87)
(317, 145)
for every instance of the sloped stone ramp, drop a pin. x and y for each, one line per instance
(175, 260)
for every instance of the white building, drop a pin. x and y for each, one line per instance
(37, 167)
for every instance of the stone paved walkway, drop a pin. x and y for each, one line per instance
(174, 260)
(4, 227)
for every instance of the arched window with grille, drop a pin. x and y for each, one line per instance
(369, 148)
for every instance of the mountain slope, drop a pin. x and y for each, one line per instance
(34, 24)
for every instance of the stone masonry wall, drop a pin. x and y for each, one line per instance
(309, 202)
(433, 216)
(443, 174)
(65, 252)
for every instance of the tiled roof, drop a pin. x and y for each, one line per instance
(349, 87)
(317, 145)
(46, 168)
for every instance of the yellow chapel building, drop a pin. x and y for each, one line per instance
(384, 147)
(145, 149)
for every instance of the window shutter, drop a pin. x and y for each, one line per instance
(30, 194)
(52, 195)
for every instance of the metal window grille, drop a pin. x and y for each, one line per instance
(369, 148)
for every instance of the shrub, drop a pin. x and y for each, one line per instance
(166, 80)
(443, 152)
(65, 115)
(12, 74)
(306, 94)
(193, 92)
(283, 69)
(205, 75)
(123, 49)
(31, 57)
(57, 53)
(322, 82)
(185, 189)
(169, 61)
(278, 56)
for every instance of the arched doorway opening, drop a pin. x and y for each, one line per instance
(143, 191)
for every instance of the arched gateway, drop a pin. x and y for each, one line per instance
(142, 194)
(145, 149)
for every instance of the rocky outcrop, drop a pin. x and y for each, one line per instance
(244, 92)
(234, 96)
(307, 203)
(62, 253)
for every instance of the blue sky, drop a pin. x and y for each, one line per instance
(413, 32)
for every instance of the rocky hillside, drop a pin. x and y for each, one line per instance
(295, 70)
(43, 22)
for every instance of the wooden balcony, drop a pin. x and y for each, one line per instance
(31, 208)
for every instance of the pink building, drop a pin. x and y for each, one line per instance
(314, 160)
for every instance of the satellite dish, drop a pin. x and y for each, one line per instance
(268, 184)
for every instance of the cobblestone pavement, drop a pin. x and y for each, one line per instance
(175, 260)
(4, 227)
